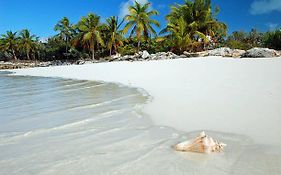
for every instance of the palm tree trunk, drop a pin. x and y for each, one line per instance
(14, 55)
(93, 53)
(27, 54)
(139, 42)
(66, 49)
(110, 51)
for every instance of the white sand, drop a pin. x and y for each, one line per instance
(240, 96)
(238, 99)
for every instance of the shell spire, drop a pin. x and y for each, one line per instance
(201, 144)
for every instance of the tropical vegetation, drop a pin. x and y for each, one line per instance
(141, 22)
(273, 39)
(191, 26)
(243, 40)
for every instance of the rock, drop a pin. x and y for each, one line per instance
(260, 53)
(137, 55)
(279, 53)
(195, 54)
(56, 63)
(223, 51)
(80, 62)
(145, 54)
(127, 58)
(88, 62)
(183, 56)
(186, 54)
(237, 53)
(201, 54)
(116, 56)
(171, 55)
(153, 57)
(226, 52)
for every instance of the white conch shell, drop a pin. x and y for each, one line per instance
(201, 144)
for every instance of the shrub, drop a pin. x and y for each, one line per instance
(238, 45)
(273, 40)
(127, 50)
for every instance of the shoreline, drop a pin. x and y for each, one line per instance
(117, 137)
(256, 53)
(237, 96)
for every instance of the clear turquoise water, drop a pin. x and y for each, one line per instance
(31, 103)
(61, 126)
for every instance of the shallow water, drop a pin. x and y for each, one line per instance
(62, 126)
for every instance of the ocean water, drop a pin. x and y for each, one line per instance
(61, 126)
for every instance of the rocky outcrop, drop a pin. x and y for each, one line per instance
(279, 53)
(226, 52)
(223, 51)
(195, 54)
(20, 65)
(237, 53)
(261, 53)
(144, 54)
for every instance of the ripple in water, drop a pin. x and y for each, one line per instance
(61, 126)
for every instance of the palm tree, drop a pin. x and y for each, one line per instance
(66, 30)
(115, 35)
(27, 42)
(178, 34)
(199, 18)
(89, 32)
(10, 43)
(140, 21)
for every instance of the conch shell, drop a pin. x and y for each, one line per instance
(201, 144)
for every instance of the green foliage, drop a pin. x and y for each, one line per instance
(128, 50)
(27, 42)
(233, 44)
(90, 36)
(190, 25)
(245, 41)
(113, 34)
(273, 39)
(9, 43)
(66, 33)
(180, 36)
(140, 22)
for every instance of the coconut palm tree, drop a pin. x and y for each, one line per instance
(140, 22)
(178, 34)
(89, 32)
(9, 42)
(66, 30)
(115, 35)
(27, 42)
(199, 18)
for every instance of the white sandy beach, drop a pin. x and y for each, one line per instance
(237, 101)
(241, 96)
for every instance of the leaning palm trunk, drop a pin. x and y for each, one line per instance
(14, 55)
